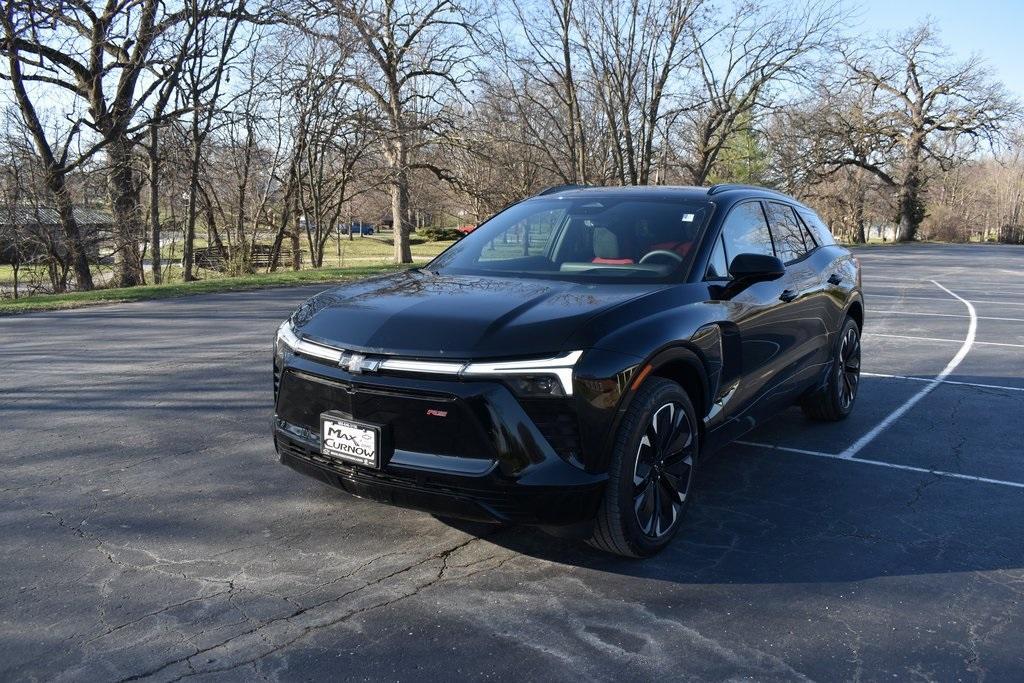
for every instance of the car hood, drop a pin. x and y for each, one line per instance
(421, 314)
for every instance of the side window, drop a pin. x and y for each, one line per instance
(718, 267)
(746, 231)
(822, 235)
(808, 235)
(787, 232)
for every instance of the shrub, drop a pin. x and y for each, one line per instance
(440, 234)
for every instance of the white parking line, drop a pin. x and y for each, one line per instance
(880, 279)
(876, 311)
(968, 342)
(942, 381)
(942, 339)
(891, 465)
(870, 295)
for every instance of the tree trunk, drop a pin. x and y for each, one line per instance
(154, 203)
(296, 243)
(858, 214)
(69, 226)
(399, 211)
(400, 202)
(907, 229)
(188, 244)
(909, 201)
(124, 201)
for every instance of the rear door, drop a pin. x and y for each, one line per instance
(807, 315)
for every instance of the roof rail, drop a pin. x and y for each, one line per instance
(560, 188)
(722, 187)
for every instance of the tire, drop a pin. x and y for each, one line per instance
(834, 401)
(645, 472)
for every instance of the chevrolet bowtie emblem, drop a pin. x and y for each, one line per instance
(357, 363)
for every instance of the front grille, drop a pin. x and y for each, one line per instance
(420, 422)
(557, 421)
(505, 503)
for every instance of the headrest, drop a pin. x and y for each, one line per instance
(606, 243)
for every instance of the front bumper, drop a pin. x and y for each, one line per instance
(486, 460)
(484, 499)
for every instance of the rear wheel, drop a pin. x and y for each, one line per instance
(834, 401)
(651, 472)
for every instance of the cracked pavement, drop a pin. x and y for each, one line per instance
(150, 534)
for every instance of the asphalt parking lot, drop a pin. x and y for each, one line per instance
(148, 530)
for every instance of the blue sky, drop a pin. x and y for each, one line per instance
(993, 29)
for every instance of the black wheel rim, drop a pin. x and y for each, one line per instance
(849, 367)
(663, 471)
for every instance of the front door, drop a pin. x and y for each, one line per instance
(765, 317)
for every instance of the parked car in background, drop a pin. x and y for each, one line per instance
(357, 228)
(572, 361)
(466, 229)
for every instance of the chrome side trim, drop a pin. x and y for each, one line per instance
(719, 405)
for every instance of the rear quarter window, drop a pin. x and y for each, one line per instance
(822, 235)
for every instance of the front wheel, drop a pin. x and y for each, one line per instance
(834, 401)
(651, 473)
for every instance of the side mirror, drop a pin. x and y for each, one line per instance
(750, 268)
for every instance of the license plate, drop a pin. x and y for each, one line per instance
(350, 441)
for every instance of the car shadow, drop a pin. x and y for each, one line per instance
(761, 515)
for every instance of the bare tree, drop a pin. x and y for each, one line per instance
(933, 106)
(413, 67)
(634, 50)
(20, 29)
(202, 84)
(540, 79)
(743, 62)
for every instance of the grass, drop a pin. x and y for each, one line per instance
(360, 249)
(359, 257)
(54, 302)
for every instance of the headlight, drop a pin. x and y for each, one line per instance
(540, 377)
(286, 336)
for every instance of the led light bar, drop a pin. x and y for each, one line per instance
(560, 366)
(422, 366)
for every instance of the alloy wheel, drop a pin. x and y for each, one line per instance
(849, 373)
(664, 470)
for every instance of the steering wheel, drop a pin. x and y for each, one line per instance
(661, 252)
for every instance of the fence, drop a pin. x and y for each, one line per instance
(218, 258)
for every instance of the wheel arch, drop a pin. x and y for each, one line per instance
(856, 311)
(683, 363)
(683, 366)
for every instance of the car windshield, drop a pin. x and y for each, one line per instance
(584, 238)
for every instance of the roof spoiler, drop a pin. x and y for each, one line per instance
(722, 187)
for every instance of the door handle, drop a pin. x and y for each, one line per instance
(835, 278)
(788, 295)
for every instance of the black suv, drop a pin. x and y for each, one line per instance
(571, 362)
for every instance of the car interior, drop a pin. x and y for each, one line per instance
(654, 237)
